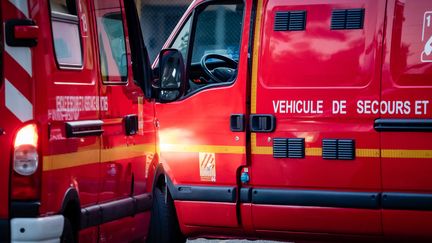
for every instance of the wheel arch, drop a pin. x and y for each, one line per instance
(71, 208)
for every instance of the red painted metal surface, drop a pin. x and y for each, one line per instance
(101, 168)
(217, 214)
(310, 219)
(319, 84)
(407, 225)
(407, 71)
(15, 78)
(306, 66)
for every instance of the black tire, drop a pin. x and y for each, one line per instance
(164, 227)
(68, 235)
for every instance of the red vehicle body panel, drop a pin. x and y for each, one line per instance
(406, 156)
(105, 168)
(319, 83)
(301, 53)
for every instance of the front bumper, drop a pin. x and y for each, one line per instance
(45, 229)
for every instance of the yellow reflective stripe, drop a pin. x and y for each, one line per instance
(406, 154)
(262, 150)
(62, 161)
(361, 153)
(313, 152)
(368, 153)
(255, 58)
(268, 150)
(202, 148)
(121, 153)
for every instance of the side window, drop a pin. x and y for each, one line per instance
(66, 34)
(218, 31)
(112, 47)
(215, 41)
(182, 40)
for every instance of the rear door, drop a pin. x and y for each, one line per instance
(315, 163)
(405, 137)
(129, 140)
(68, 100)
(17, 105)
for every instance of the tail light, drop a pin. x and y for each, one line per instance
(25, 161)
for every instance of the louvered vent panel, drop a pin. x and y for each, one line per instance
(290, 21)
(296, 148)
(346, 149)
(355, 18)
(297, 21)
(338, 19)
(329, 148)
(341, 149)
(280, 148)
(347, 19)
(281, 21)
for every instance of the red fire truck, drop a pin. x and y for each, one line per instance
(297, 119)
(77, 131)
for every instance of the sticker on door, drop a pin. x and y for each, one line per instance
(207, 163)
(426, 55)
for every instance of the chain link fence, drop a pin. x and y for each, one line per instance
(158, 19)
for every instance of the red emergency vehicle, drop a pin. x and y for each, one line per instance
(76, 130)
(297, 119)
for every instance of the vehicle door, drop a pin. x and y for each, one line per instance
(129, 140)
(201, 149)
(67, 93)
(405, 134)
(315, 160)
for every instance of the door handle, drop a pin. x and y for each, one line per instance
(84, 128)
(237, 122)
(21, 33)
(131, 124)
(262, 123)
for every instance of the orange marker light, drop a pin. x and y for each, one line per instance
(26, 158)
(27, 136)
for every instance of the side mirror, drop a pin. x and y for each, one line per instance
(172, 76)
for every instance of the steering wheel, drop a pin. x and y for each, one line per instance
(228, 63)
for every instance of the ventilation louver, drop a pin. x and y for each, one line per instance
(290, 21)
(347, 19)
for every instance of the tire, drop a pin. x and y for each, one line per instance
(164, 227)
(68, 235)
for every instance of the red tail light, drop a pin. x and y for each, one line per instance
(25, 164)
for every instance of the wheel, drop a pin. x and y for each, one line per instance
(68, 235)
(164, 227)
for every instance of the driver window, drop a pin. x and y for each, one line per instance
(216, 44)
(218, 31)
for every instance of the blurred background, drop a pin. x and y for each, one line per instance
(159, 17)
